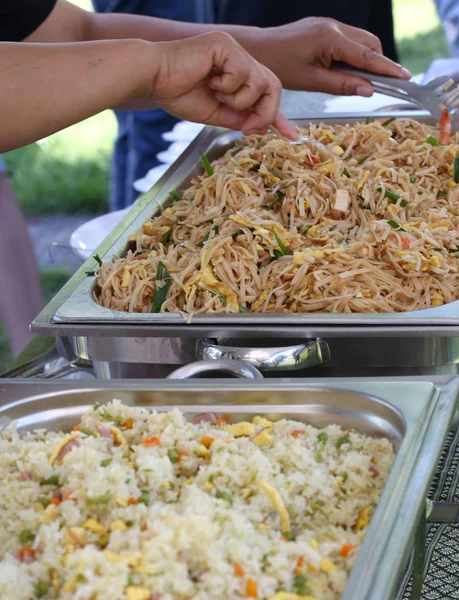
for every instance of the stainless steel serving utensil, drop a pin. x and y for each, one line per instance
(435, 96)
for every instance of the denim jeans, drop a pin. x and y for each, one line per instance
(139, 132)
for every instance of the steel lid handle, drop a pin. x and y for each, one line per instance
(236, 368)
(285, 358)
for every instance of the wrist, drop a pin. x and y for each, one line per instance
(250, 37)
(142, 67)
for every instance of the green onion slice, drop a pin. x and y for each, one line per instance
(206, 237)
(433, 141)
(285, 251)
(394, 198)
(160, 294)
(176, 197)
(206, 164)
(279, 196)
(456, 169)
(388, 122)
(395, 225)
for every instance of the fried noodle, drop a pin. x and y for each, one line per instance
(371, 227)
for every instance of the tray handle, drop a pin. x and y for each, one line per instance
(286, 358)
(236, 368)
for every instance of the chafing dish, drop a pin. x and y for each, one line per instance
(415, 416)
(129, 344)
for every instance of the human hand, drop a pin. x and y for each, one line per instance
(301, 53)
(211, 79)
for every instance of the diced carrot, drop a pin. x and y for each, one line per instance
(223, 420)
(251, 589)
(143, 527)
(77, 428)
(283, 538)
(55, 501)
(207, 441)
(183, 454)
(26, 554)
(299, 569)
(238, 570)
(151, 441)
(346, 549)
(67, 496)
(128, 424)
(298, 432)
(132, 501)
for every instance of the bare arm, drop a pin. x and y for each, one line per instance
(47, 87)
(299, 54)
(208, 78)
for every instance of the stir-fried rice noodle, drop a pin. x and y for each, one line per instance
(134, 505)
(371, 228)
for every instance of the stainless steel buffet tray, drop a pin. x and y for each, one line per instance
(74, 311)
(415, 415)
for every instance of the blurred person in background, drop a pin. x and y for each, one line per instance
(448, 11)
(139, 138)
(20, 298)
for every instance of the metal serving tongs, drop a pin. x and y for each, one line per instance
(440, 93)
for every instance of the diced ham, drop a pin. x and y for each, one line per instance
(374, 472)
(209, 417)
(107, 434)
(25, 475)
(105, 431)
(66, 449)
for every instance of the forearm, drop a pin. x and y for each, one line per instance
(47, 87)
(120, 26)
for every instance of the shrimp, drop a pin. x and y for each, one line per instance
(445, 127)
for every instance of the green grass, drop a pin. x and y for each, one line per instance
(419, 34)
(68, 172)
(433, 46)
